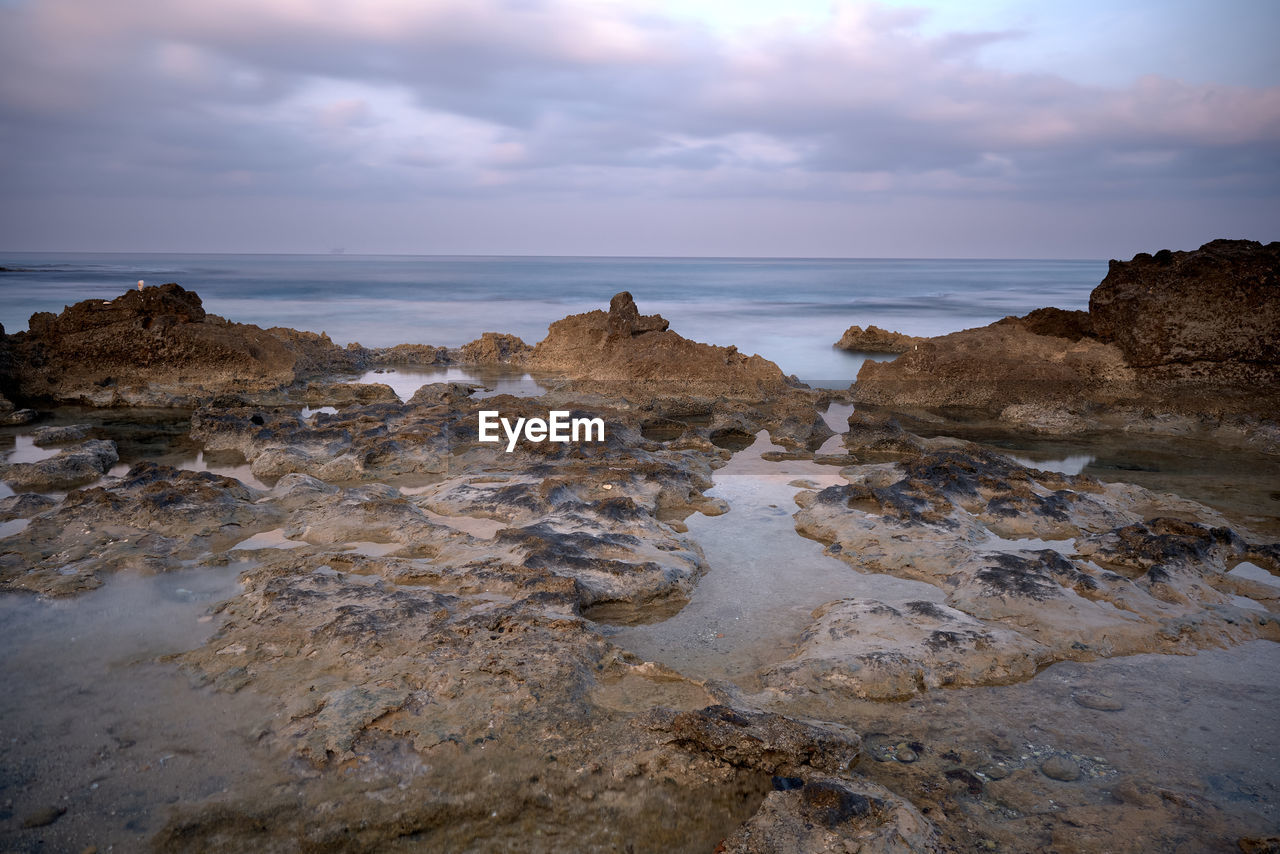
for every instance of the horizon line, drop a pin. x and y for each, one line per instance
(507, 254)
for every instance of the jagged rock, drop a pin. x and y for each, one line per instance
(154, 346)
(877, 435)
(639, 352)
(11, 416)
(762, 741)
(158, 347)
(873, 339)
(1176, 342)
(347, 394)
(494, 348)
(996, 366)
(402, 354)
(1219, 303)
(73, 466)
(1048, 419)
(1057, 323)
(24, 505)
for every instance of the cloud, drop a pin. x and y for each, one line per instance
(399, 99)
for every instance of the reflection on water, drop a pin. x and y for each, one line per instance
(1071, 464)
(91, 724)
(763, 580)
(495, 380)
(273, 539)
(25, 450)
(159, 436)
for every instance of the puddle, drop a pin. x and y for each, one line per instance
(159, 436)
(91, 723)
(222, 464)
(498, 380)
(1071, 464)
(997, 543)
(26, 451)
(13, 526)
(273, 539)
(484, 529)
(764, 580)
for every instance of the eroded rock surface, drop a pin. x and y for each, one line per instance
(1218, 304)
(159, 347)
(623, 346)
(494, 348)
(873, 339)
(152, 519)
(1176, 342)
(1035, 566)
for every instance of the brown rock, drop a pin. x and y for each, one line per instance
(622, 346)
(1057, 323)
(43, 817)
(1061, 768)
(994, 367)
(1219, 303)
(403, 354)
(157, 346)
(494, 348)
(1179, 341)
(873, 339)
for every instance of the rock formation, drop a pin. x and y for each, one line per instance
(873, 339)
(1219, 304)
(157, 346)
(494, 348)
(640, 351)
(1035, 567)
(1187, 335)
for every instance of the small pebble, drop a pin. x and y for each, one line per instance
(43, 817)
(1060, 768)
(1101, 701)
(905, 754)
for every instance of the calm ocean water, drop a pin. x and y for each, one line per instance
(788, 310)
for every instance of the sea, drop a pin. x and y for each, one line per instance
(789, 310)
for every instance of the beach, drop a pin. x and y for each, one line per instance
(267, 589)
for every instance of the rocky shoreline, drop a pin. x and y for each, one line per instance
(1176, 343)
(425, 620)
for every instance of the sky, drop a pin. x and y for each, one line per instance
(988, 128)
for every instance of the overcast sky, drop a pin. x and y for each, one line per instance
(989, 128)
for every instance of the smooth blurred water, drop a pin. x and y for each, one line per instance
(788, 310)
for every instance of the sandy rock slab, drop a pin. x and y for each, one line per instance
(152, 519)
(481, 722)
(1035, 567)
(867, 649)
